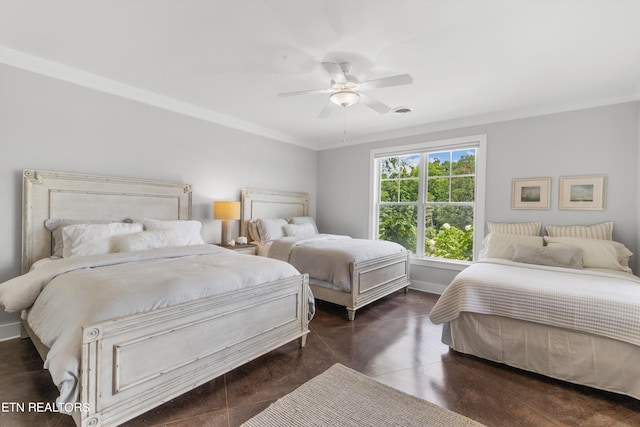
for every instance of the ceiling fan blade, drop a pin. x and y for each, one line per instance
(326, 111)
(374, 104)
(335, 71)
(305, 92)
(401, 79)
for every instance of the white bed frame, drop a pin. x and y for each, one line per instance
(132, 364)
(370, 280)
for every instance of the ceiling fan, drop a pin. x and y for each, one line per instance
(346, 90)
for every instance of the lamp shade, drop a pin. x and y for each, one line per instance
(226, 210)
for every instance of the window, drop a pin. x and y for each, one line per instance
(430, 197)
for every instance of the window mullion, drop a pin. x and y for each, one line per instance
(422, 175)
(377, 199)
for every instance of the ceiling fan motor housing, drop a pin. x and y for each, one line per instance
(350, 84)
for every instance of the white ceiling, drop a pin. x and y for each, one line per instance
(472, 61)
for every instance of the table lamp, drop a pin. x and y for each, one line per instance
(226, 212)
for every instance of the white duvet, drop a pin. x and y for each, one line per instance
(327, 257)
(63, 295)
(601, 302)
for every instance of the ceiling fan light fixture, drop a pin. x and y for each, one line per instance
(345, 98)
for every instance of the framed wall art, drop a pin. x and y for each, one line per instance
(530, 193)
(582, 192)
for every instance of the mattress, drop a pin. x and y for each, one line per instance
(327, 258)
(595, 301)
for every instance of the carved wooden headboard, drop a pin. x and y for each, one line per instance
(71, 196)
(271, 204)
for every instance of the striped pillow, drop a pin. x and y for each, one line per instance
(522, 228)
(603, 231)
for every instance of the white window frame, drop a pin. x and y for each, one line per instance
(476, 141)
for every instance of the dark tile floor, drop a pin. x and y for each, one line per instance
(392, 341)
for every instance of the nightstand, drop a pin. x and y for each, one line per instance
(249, 249)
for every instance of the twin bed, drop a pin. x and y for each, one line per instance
(574, 318)
(125, 331)
(344, 271)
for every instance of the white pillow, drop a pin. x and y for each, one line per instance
(187, 230)
(596, 253)
(602, 231)
(146, 240)
(523, 228)
(500, 245)
(304, 220)
(306, 229)
(93, 239)
(271, 229)
(55, 226)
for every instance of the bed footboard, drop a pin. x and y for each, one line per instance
(370, 281)
(135, 363)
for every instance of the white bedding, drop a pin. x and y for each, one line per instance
(327, 257)
(63, 295)
(596, 301)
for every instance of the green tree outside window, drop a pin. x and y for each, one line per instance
(449, 184)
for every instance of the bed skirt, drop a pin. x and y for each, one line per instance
(576, 357)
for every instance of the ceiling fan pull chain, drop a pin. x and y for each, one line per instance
(344, 131)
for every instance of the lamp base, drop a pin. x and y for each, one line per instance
(226, 232)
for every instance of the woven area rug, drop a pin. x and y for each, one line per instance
(343, 397)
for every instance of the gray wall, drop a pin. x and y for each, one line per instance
(600, 140)
(53, 125)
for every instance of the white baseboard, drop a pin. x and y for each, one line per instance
(9, 331)
(432, 288)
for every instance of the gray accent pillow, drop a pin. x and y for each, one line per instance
(544, 255)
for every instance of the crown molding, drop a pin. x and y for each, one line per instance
(480, 120)
(72, 75)
(63, 72)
